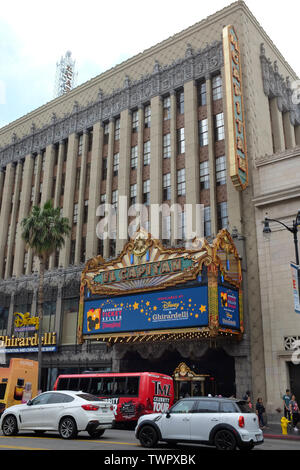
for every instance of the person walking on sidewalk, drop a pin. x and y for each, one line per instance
(294, 409)
(260, 410)
(286, 404)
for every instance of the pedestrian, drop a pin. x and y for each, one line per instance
(260, 410)
(294, 409)
(246, 396)
(286, 404)
(249, 403)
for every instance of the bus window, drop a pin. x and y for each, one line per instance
(74, 383)
(84, 384)
(132, 387)
(63, 384)
(96, 385)
(107, 386)
(120, 386)
(2, 390)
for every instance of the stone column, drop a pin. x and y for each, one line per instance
(211, 158)
(5, 211)
(277, 126)
(81, 197)
(48, 174)
(289, 133)
(13, 222)
(60, 164)
(124, 175)
(23, 212)
(68, 206)
(173, 139)
(192, 170)
(2, 177)
(140, 165)
(110, 156)
(36, 194)
(94, 191)
(156, 143)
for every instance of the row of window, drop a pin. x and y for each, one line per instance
(203, 141)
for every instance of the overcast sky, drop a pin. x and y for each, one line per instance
(34, 34)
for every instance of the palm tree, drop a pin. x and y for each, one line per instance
(44, 231)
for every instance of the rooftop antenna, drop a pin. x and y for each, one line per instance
(66, 76)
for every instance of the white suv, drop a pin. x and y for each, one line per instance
(220, 422)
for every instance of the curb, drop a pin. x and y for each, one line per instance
(281, 436)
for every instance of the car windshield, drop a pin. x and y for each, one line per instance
(244, 407)
(88, 397)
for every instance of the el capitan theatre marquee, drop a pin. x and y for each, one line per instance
(151, 293)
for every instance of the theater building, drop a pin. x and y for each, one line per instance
(186, 122)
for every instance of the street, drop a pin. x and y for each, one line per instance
(117, 440)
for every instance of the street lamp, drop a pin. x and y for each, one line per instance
(294, 230)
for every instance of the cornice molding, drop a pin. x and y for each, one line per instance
(163, 80)
(276, 86)
(277, 157)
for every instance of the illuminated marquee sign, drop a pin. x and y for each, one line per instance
(237, 147)
(150, 311)
(154, 293)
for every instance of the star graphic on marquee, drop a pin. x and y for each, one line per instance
(147, 303)
(135, 305)
(154, 308)
(202, 308)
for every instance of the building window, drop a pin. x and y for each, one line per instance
(147, 116)
(217, 87)
(117, 129)
(77, 179)
(219, 127)
(103, 199)
(85, 211)
(134, 157)
(90, 140)
(146, 192)
(167, 108)
(104, 169)
(75, 214)
(80, 144)
(116, 160)
(181, 182)
(66, 144)
(132, 194)
(167, 187)
(88, 176)
(72, 251)
(203, 132)
(181, 226)
(167, 146)
(135, 121)
(166, 229)
(202, 94)
(106, 133)
(180, 141)
(221, 170)
(43, 160)
(82, 250)
(180, 101)
(147, 153)
(222, 215)
(62, 184)
(114, 199)
(204, 175)
(207, 222)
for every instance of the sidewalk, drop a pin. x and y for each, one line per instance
(274, 431)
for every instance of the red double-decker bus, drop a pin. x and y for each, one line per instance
(131, 394)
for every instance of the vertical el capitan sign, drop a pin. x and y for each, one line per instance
(236, 147)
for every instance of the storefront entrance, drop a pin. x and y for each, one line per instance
(216, 367)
